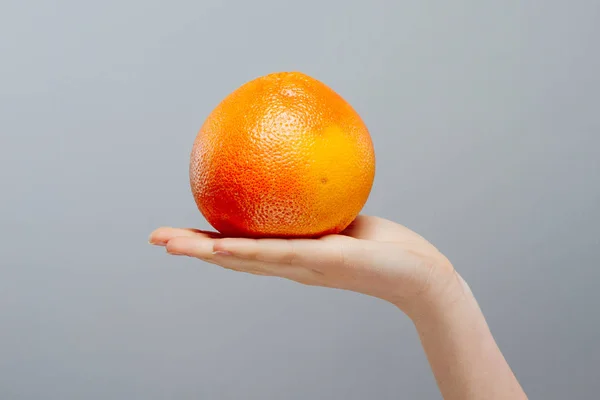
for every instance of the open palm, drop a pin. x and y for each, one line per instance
(372, 256)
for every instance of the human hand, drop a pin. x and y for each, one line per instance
(372, 256)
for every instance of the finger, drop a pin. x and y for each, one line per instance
(378, 229)
(292, 252)
(162, 235)
(195, 245)
(372, 228)
(205, 249)
(302, 275)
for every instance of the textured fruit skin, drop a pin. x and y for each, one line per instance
(282, 156)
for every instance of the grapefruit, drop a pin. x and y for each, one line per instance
(282, 156)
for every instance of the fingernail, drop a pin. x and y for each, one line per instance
(156, 243)
(221, 253)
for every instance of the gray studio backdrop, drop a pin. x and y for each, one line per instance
(485, 119)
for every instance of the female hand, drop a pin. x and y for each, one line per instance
(385, 260)
(372, 256)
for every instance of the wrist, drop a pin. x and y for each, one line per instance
(440, 299)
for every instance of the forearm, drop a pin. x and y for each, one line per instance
(465, 359)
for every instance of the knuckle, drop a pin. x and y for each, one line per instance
(343, 259)
(290, 257)
(253, 251)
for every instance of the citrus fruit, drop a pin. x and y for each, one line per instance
(282, 156)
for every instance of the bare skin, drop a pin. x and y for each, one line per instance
(378, 258)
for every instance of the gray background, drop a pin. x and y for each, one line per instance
(484, 115)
